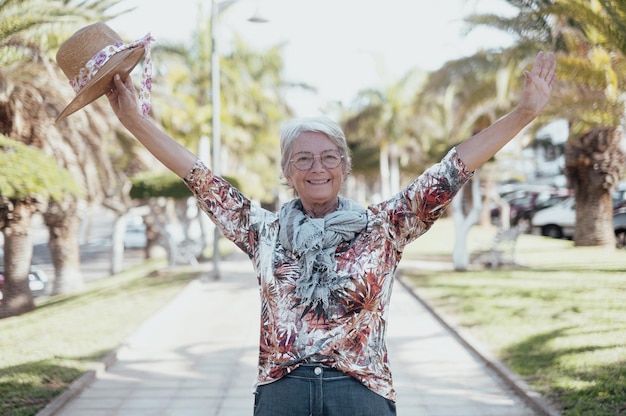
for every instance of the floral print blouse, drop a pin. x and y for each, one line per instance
(351, 335)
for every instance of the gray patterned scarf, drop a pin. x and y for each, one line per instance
(314, 241)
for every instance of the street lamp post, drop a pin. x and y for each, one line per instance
(215, 122)
(216, 108)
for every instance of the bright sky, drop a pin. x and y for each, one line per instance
(337, 46)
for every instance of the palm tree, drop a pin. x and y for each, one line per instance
(252, 106)
(381, 127)
(460, 99)
(591, 48)
(595, 70)
(35, 93)
(23, 189)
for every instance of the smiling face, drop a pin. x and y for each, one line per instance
(317, 187)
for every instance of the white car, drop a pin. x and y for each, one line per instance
(135, 235)
(557, 221)
(37, 281)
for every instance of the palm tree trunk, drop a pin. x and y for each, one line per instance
(463, 223)
(394, 169)
(18, 253)
(594, 218)
(63, 224)
(593, 164)
(384, 172)
(117, 244)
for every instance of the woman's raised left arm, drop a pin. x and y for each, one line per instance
(481, 147)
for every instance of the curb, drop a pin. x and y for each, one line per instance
(519, 387)
(78, 385)
(82, 382)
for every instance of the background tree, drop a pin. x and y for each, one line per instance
(588, 36)
(382, 135)
(252, 105)
(168, 198)
(33, 94)
(595, 70)
(460, 99)
(471, 93)
(23, 191)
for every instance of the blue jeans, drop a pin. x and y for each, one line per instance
(317, 390)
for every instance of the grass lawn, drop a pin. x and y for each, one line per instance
(559, 321)
(42, 352)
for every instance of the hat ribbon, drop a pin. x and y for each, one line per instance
(93, 65)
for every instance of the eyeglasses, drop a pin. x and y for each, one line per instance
(330, 159)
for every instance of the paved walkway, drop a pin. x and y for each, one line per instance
(197, 356)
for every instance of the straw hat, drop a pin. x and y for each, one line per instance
(91, 57)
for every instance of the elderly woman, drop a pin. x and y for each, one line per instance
(324, 263)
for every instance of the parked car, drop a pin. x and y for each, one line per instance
(619, 196)
(557, 221)
(524, 204)
(619, 224)
(135, 236)
(37, 281)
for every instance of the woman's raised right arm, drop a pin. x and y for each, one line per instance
(168, 151)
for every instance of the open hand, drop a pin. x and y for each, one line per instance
(538, 84)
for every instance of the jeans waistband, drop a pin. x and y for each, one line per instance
(316, 372)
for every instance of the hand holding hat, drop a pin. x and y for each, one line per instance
(93, 55)
(122, 98)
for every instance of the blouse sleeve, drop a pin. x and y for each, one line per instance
(227, 207)
(412, 212)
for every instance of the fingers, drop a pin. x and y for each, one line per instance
(120, 88)
(128, 83)
(551, 78)
(117, 81)
(545, 67)
(115, 87)
(119, 85)
(548, 70)
(111, 93)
